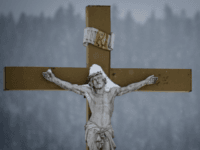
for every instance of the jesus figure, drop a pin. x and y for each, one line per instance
(100, 93)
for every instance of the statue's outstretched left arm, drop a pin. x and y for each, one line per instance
(135, 86)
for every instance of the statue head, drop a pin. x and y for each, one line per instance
(97, 70)
(97, 80)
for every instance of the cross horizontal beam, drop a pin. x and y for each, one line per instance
(30, 78)
(169, 80)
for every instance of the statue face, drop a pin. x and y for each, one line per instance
(98, 81)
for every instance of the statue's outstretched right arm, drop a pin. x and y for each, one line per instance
(79, 89)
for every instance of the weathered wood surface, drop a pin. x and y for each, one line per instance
(98, 17)
(30, 78)
(169, 80)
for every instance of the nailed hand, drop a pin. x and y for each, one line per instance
(48, 75)
(151, 79)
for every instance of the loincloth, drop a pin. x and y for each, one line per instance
(95, 136)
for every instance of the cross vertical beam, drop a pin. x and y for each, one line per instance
(98, 17)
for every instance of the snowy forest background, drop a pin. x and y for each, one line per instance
(51, 120)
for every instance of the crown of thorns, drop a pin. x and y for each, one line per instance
(93, 75)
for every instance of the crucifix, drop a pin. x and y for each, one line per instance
(98, 17)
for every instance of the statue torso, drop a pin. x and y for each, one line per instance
(101, 107)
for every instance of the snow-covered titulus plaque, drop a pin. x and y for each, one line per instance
(98, 38)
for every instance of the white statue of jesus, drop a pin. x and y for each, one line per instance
(100, 93)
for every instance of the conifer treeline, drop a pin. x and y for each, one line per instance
(173, 34)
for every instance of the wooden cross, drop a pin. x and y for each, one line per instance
(30, 78)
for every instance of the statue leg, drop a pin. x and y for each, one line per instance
(91, 140)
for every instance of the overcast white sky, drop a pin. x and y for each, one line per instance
(141, 9)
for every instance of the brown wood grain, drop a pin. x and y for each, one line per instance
(98, 17)
(30, 78)
(169, 80)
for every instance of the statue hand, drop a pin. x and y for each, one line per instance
(48, 75)
(151, 80)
